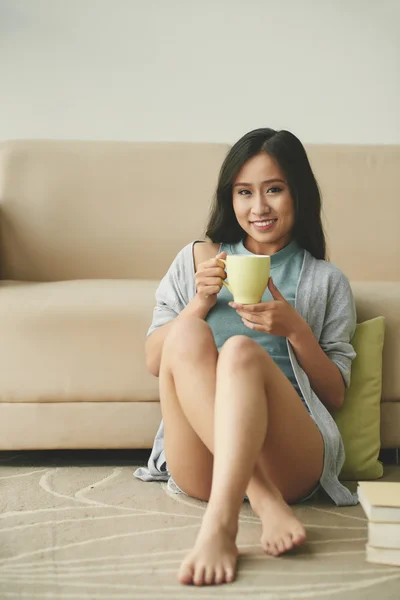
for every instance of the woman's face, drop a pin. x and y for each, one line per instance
(263, 205)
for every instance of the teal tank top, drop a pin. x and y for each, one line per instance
(225, 322)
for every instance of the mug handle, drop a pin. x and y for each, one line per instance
(224, 282)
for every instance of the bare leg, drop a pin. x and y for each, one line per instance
(242, 408)
(215, 546)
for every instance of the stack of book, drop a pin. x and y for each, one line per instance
(381, 503)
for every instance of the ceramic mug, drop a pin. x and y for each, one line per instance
(247, 276)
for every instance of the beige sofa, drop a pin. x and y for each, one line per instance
(87, 229)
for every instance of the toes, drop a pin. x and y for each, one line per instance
(185, 574)
(298, 537)
(267, 547)
(206, 575)
(209, 575)
(280, 544)
(274, 549)
(219, 575)
(229, 574)
(288, 542)
(198, 578)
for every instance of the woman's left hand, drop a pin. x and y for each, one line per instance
(277, 317)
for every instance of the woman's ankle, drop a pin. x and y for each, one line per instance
(222, 515)
(261, 497)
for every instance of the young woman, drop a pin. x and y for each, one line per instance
(247, 391)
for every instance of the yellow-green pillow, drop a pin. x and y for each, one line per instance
(359, 418)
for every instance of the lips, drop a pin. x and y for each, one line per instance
(264, 222)
(264, 225)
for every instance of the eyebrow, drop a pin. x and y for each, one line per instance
(266, 181)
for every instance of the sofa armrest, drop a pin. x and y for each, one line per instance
(382, 298)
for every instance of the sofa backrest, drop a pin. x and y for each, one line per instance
(87, 209)
(108, 210)
(361, 207)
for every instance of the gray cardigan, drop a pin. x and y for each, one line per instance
(325, 300)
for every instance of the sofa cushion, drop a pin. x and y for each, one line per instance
(83, 425)
(359, 418)
(73, 341)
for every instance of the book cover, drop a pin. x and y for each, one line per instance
(380, 500)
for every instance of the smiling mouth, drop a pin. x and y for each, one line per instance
(265, 224)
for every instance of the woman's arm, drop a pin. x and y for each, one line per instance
(325, 378)
(327, 360)
(172, 309)
(155, 342)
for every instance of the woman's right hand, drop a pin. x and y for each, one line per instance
(209, 278)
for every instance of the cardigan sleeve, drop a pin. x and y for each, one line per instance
(339, 326)
(175, 289)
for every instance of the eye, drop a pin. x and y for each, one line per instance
(274, 190)
(244, 192)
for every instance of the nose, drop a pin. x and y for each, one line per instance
(260, 207)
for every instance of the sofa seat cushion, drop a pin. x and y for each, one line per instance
(78, 425)
(74, 341)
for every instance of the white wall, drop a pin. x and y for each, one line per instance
(210, 70)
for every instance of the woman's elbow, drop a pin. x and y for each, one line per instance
(333, 398)
(337, 399)
(338, 391)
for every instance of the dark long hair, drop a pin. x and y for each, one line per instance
(291, 156)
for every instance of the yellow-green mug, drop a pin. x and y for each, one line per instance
(247, 276)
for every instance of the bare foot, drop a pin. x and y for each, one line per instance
(214, 556)
(281, 531)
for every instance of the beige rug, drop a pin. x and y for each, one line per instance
(81, 527)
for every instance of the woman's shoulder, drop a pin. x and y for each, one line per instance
(203, 250)
(324, 267)
(325, 277)
(325, 293)
(194, 253)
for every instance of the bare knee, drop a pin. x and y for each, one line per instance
(240, 352)
(189, 338)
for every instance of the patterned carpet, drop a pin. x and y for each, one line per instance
(77, 525)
